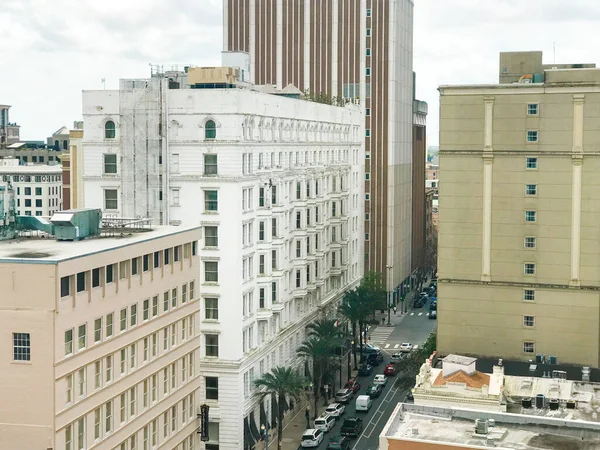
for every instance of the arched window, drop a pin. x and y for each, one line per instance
(210, 130)
(65, 145)
(109, 130)
(57, 145)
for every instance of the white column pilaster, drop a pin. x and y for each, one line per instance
(252, 42)
(279, 43)
(307, 40)
(577, 159)
(334, 47)
(488, 158)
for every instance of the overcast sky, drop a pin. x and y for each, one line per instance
(50, 50)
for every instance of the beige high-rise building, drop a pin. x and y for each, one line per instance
(519, 247)
(100, 338)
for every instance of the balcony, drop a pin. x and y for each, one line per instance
(335, 270)
(277, 307)
(299, 291)
(264, 314)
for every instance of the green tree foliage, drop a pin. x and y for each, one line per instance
(280, 383)
(408, 368)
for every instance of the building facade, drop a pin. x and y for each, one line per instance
(358, 50)
(276, 184)
(518, 266)
(9, 131)
(34, 190)
(419, 207)
(104, 342)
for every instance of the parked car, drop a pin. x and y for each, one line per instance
(389, 371)
(324, 423)
(335, 409)
(374, 359)
(418, 303)
(311, 438)
(374, 390)
(352, 427)
(433, 306)
(424, 294)
(396, 357)
(353, 385)
(338, 443)
(366, 369)
(432, 315)
(380, 379)
(406, 347)
(343, 396)
(370, 348)
(363, 403)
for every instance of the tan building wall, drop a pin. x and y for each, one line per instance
(419, 211)
(57, 395)
(487, 298)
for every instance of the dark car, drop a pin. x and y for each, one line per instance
(353, 385)
(374, 359)
(433, 306)
(374, 391)
(432, 315)
(366, 369)
(352, 427)
(418, 303)
(338, 443)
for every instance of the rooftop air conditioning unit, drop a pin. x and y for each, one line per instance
(481, 426)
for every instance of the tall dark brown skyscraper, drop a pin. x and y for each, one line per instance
(356, 49)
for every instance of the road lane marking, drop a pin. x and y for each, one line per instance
(397, 346)
(412, 314)
(420, 314)
(387, 346)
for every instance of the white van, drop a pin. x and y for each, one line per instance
(363, 403)
(324, 423)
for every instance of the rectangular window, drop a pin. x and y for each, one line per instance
(273, 259)
(123, 320)
(273, 195)
(174, 298)
(96, 277)
(155, 306)
(530, 216)
(108, 368)
(192, 285)
(261, 264)
(176, 253)
(132, 356)
(211, 202)
(368, 32)
(82, 337)
(145, 351)
(212, 344)
(97, 423)
(211, 238)
(210, 165)
(110, 277)
(529, 269)
(530, 242)
(81, 382)
(65, 286)
(111, 199)
(528, 347)
(133, 315)
(81, 282)
(211, 308)
(123, 364)
(532, 136)
(81, 433)
(146, 263)
(167, 256)
(529, 295)
(108, 417)
(166, 301)
(123, 407)
(134, 266)
(212, 388)
(532, 163)
(132, 402)
(156, 260)
(109, 325)
(367, 132)
(154, 344)
(528, 321)
(110, 164)
(21, 347)
(261, 197)
(184, 293)
(69, 437)
(211, 271)
(98, 329)
(69, 389)
(261, 298)
(531, 189)
(98, 374)
(146, 309)
(532, 109)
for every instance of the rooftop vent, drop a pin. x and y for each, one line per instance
(76, 224)
(481, 426)
(571, 404)
(540, 401)
(526, 402)
(553, 404)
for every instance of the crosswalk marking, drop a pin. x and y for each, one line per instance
(397, 345)
(387, 346)
(412, 314)
(420, 314)
(381, 334)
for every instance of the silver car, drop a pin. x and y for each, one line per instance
(343, 395)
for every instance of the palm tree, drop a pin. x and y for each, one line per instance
(351, 309)
(281, 382)
(326, 330)
(319, 352)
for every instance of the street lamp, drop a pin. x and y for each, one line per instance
(264, 433)
(353, 350)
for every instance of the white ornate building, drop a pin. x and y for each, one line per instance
(277, 184)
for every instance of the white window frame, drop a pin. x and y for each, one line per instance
(534, 216)
(529, 242)
(529, 293)
(533, 160)
(532, 136)
(175, 197)
(529, 321)
(525, 268)
(530, 109)
(104, 199)
(529, 345)
(531, 190)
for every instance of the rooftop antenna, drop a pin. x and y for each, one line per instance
(103, 81)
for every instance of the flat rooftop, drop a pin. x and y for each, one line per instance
(456, 426)
(47, 250)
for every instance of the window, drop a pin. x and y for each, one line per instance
(82, 338)
(529, 242)
(123, 362)
(123, 320)
(132, 400)
(110, 164)
(212, 388)
(368, 32)
(212, 344)
(146, 263)
(184, 293)
(81, 382)
(123, 408)
(156, 260)
(210, 165)
(261, 230)
(110, 276)
(367, 176)
(146, 309)
(97, 423)
(21, 347)
(69, 437)
(531, 189)
(532, 136)
(368, 72)
(108, 416)
(98, 329)
(211, 271)
(530, 216)
(167, 256)
(367, 132)
(108, 368)
(192, 290)
(133, 315)
(109, 325)
(274, 259)
(529, 269)
(528, 321)
(98, 374)
(261, 196)
(174, 298)
(95, 277)
(109, 130)
(298, 220)
(261, 298)
(38, 203)
(155, 306)
(368, 12)
(368, 54)
(273, 195)
(210, 130)
(175, 197)
(110, 199)
(261, 264)
(81, 433)
(211, 238)
(211, 202)
(532, 109)
(65, 286)
(211, 308)
(69, 342)
(528, 347)
(529, 295)
(531, 163)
